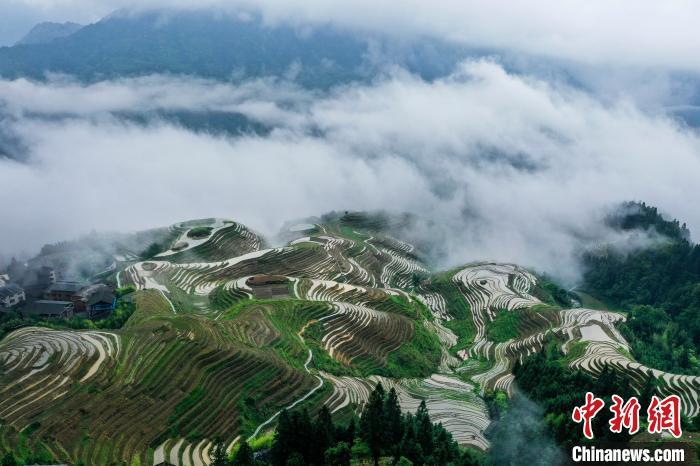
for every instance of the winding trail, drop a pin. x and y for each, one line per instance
(168, 300)
(311, 392)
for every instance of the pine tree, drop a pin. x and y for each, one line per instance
(393, 424)
(392, 416)
(648, 390)
(324, 435)
(347, 434)
(410, 447)
(444, 448)
(8, 460)
(339, 455)
(424, 429)
(282, 443)
(303, 435)
(372, 423)
(244, 456)
(296, 459)
(219, 457)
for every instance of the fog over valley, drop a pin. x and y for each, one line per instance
(341, 233)
(509, 145)
(506, 166)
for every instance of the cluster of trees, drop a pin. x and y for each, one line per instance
(29, 457)
(660, 285)
(387, 432)
(551, 293)
(545, 378)
(199, 232)
(152, 250)
(661, 340)
(382, 431)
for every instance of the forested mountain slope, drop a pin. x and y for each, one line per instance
(659, 285)
(223, 47)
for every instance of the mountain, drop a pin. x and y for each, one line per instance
(222, 47)
(46, 32)
(659, 285)
(223, 331)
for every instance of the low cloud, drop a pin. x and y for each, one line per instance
(645, 33)
(500, 166)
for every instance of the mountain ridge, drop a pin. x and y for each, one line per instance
(48, 31)
(222, 47)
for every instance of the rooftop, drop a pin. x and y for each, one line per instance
(260, 280)
(69, 287)
(45, 306)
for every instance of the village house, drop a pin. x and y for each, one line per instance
(37, 280)
(94, 301)
(269, 286)
(11, 295)
(63, 290)
(47, 309)
(90, 301)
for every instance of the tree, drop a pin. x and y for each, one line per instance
(372, 423)
(219, 457)
(469, 458)
(410, 448)
(302, 435)
(347, 434)
(152, 250)
(8, 460)
(281, 446)
(324, 434)
(360, 450)
(424, 429)
(296, 459)
(244, 456)
(392, 418)
(338, 455)
(445, 450)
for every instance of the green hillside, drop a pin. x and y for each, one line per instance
(224, 333)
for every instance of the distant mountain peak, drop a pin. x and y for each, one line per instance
(202, 43)
(47, 32)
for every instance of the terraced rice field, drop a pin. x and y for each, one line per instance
(203, 359)
(493, 288)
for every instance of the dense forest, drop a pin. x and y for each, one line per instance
(659, 287)
(546, 379)
(382, 432)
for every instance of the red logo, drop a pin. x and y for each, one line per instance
(624, 415)
(587, 412)
(665, 415)
(662, 415)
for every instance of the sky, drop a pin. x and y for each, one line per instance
(518, 167)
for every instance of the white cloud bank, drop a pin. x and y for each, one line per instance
(508, 167)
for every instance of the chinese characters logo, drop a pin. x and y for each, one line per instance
(663, 415)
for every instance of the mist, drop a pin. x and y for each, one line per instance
(500, 166)
(521, 437)
(628, 32)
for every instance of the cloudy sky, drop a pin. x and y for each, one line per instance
(508, 166)
(631, 32)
